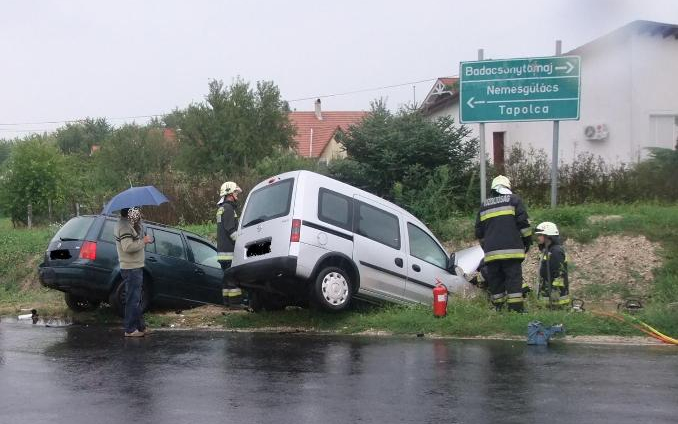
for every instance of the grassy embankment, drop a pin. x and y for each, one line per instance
(18, 248)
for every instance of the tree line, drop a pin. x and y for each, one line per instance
(242, 132)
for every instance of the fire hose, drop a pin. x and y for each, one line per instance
(639, 325)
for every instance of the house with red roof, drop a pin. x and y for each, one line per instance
(317, 131)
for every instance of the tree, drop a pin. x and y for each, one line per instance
(234, 128)
(5, 150)
(79, 137)
(130, 154)
(35, 174)
(397, 155)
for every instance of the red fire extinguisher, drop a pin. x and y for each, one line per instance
(439, 300)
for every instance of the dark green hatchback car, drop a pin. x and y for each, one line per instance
(81, 260)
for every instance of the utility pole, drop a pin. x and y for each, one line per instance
(483, 183)
(554, 154)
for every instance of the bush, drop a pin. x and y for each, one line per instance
(589, 178)
(425, 166)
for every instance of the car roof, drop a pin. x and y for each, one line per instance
(165, 226)
(303, 174)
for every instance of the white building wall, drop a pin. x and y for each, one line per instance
(654, 92)
(626, 79)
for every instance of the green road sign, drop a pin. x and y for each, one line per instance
(530, 89)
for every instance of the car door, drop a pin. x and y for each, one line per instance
(378, 250)
(208, 275)
(172, 272)
(427, 262)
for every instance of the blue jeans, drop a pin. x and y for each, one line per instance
(134, 316)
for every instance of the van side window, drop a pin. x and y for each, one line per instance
(335, 209)
(378, 225)
(423, 247)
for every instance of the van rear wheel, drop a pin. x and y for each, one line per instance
(333, 289)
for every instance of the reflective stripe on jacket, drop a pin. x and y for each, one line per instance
(553, 266)
(502, 226)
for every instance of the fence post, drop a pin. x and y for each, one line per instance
(77, 209)
(49, 210)
(30, 216)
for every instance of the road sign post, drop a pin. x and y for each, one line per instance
(554, 154)
(481, 133)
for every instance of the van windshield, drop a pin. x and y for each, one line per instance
(269, 202)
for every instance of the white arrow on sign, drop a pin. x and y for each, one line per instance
(569, 67)
(473, 104)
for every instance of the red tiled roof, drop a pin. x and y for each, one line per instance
(449, 80)
(323, 130)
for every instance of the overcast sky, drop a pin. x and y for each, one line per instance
(71, 59)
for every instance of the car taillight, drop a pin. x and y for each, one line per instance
(88, 250)
(295, 236)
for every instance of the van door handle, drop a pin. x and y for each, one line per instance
(151, 259)
(199, 271)
(416, 268)
(399, 262)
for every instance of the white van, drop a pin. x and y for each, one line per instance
(306, 237)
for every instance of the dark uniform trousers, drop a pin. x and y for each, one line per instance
(504, 280)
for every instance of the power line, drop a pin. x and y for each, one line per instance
(362, 91)
(323, 96)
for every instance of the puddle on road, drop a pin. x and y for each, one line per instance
(37, 321)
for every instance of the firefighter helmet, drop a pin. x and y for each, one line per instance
(229, 187)
(547, 229)
(501, 180)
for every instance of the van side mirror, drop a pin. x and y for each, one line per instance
(451, 266)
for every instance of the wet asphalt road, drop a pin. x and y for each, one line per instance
(92, 375)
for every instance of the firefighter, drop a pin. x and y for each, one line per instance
(554, 286)
(505, 235)
(227, 224)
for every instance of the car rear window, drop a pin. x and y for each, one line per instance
(269, 202)
(75, 229)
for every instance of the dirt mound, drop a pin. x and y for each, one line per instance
(608, 268)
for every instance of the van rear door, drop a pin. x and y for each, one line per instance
(266, 223)
(378, 250)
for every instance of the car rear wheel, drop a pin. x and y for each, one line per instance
(80, 304)
(117, 298)
(333, 289)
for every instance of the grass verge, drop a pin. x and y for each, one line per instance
(19, 249)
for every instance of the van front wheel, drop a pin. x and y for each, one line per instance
(332, 289)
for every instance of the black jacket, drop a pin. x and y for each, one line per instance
(503, 228)
(553, 265)
(227, 223)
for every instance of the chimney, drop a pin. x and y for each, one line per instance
(318, 113)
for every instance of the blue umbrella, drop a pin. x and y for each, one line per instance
(135, 196)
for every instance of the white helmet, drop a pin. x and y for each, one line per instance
(501, 184)
(547, 229)
(229, 187)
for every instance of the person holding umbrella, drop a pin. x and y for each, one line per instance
(130, 244)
